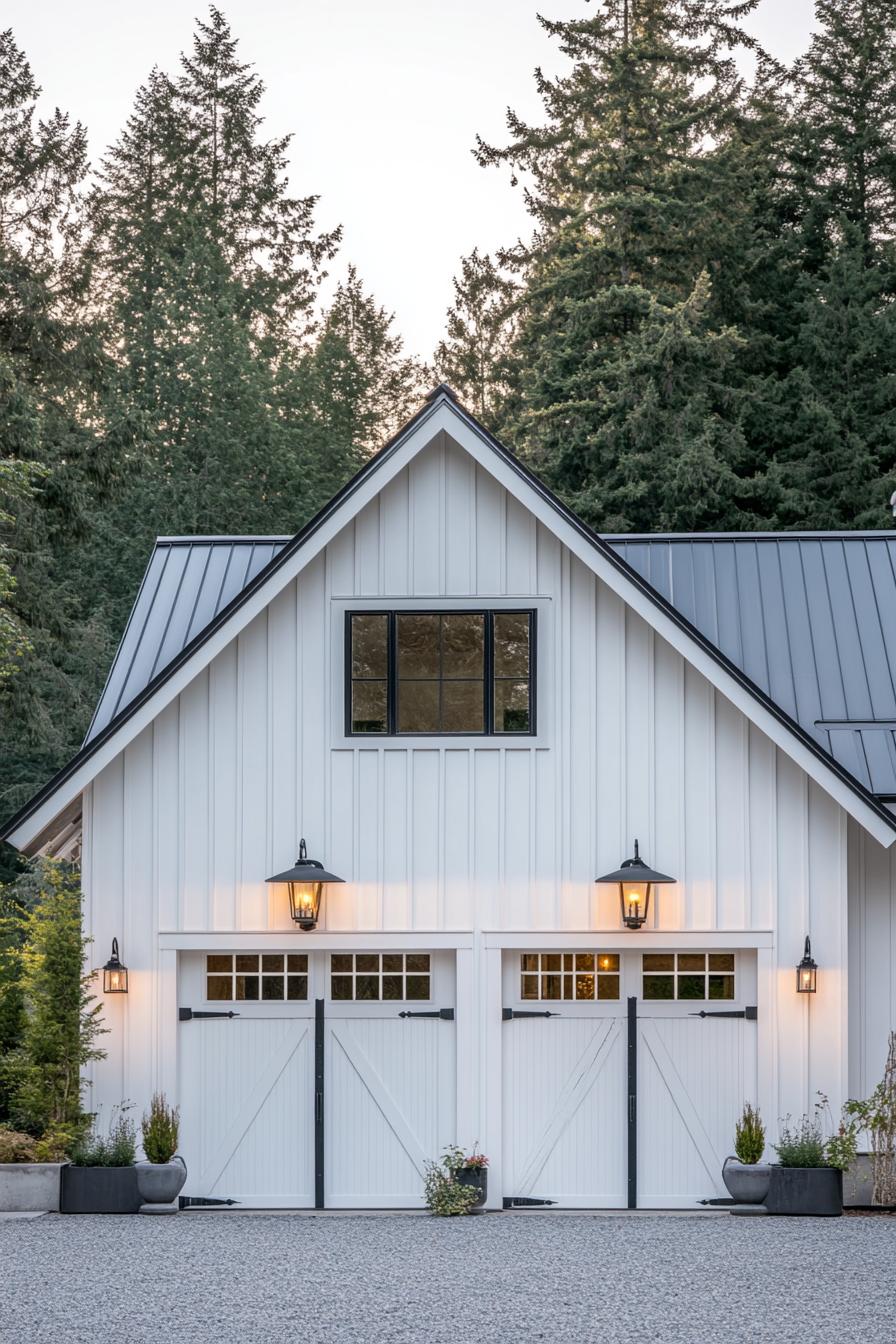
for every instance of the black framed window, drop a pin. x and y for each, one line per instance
(440, 673)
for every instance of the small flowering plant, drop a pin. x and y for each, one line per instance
(475, 1159)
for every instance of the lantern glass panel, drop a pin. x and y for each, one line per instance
(806, 979)
(115, 981)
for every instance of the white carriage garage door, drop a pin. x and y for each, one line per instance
(583, 1130)
(331, 1084)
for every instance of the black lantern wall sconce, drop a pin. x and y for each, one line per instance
(115, 973)
(306, 881)
(636, 881)
(807, 972)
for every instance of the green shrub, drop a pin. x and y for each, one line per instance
(117, 1148)
(804, 1144)
(54, 1146)
(160, 1130)
(801, 1144)
(445, 1198)
(60, 1022)
(13, 915)
(16, 1146)
(749, 1136)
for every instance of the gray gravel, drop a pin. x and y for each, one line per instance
(247, 1278)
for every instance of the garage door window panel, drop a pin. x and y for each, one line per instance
(250, 977)
(569, 976)
(688, 976)
(373, 977)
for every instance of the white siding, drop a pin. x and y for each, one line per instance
(872, 958)
(468, 834)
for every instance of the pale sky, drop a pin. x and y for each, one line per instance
(384, 98)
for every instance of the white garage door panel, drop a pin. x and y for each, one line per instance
(693, 1078)
(564, 1110)
(390, 1107)
(247, 1121)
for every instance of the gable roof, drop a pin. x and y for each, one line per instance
(441, 412)
(808, 617)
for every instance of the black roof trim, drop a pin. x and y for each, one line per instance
(587, 533)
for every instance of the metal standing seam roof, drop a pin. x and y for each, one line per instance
(810, 618)
(187, 582)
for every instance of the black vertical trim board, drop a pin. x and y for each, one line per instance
(318, 1103)
(633, 1103)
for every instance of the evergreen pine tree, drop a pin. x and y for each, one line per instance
(209, 271)
(476, 356)
(839, 461)
(634, 192)
(51, 456)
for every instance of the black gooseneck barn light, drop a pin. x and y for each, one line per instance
(807, 972)
(306, 881)
(635, 881)
(115, 973)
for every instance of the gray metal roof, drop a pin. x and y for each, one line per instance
(810, 618)
(187, 582)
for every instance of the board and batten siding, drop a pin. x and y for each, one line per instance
(872, 958)
(185, 825)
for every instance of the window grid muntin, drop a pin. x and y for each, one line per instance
(261, 967)
(489, 679)
(683, 975)
(381, 966)
(440, 679)
(580, 977)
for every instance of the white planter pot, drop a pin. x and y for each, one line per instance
(160, 1183)
(746, 1183)
(29, 1187)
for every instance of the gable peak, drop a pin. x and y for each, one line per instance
(442, 390)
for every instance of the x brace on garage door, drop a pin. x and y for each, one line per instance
(587, 1071)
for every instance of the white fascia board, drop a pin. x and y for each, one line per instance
(617, 940)
(318, 941)
(516, 485)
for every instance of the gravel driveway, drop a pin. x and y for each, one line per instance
(247, 1278)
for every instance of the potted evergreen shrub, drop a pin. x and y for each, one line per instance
(161, 1177)
(102, 1177)
(807, 1180)
(746, 1177)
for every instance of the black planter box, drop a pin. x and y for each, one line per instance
(808, 1192)
(99, 1190)
(475, 1178)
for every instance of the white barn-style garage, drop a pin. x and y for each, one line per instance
(470, 706)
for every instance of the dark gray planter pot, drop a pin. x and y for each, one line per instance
(475, 1178)
(806, 1192)
(160, 1183)
(99, 1190)
(746, 1182)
